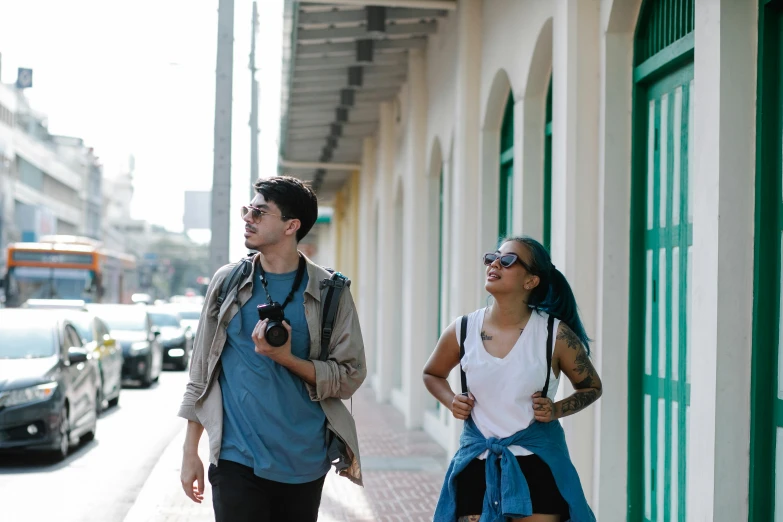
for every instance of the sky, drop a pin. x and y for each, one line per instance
(138, 77)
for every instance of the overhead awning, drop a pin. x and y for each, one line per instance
(340, 61)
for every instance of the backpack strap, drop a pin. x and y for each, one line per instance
(330, 299)
(241, 270)
(463, 334)
(549, 331)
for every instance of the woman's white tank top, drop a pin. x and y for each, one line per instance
(503, 388)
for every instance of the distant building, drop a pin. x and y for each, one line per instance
(48, 184)
(83, 158)
(198, 205)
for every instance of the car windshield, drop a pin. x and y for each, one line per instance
(83, 326)
(190, 316)
(164, 319)
(123, 319)
(20, 341)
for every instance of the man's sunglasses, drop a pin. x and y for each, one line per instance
(256, 213)
(506, 260)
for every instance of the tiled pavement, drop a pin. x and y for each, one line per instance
(403, 472)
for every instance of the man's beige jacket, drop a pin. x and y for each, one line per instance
(336, 378)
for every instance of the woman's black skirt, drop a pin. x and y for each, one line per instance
(546, 498)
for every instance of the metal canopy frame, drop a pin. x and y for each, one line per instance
(341, 59)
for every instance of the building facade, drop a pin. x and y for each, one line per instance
(640, 140)
(45, 184)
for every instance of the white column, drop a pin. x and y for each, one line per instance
(466, 268)
(416, 203)
(610, 499)
(529, 116)
(366, 284)
(724, 97)
(575, 186)
(385, 303)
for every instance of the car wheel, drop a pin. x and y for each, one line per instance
(182, 365)
(146, 381)
(65, 436)
(90, 435)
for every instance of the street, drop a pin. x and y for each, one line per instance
(99, 480)
(130, 472)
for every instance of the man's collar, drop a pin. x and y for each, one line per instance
(315, 274)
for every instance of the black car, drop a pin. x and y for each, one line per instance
(49, 383)
(132, 327)
(105, 349)
(176, 338)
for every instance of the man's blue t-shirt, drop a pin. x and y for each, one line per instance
(269, 421)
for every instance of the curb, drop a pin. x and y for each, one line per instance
(161, 499)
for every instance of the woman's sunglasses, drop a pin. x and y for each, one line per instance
(256, 213)
(506, 260)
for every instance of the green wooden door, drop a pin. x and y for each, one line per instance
(766, 451)
(547, 206)
(667, 245)
(661, 243)
(505, 203)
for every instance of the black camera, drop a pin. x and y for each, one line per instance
(275, 334)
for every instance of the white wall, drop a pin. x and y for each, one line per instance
(451, 112)
(721, 328)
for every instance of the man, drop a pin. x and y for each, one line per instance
(271, 413)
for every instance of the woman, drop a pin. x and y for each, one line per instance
(513, 462)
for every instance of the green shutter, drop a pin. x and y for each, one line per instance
(505, 203)
(766, 404)
(662, 235)
(548, 170)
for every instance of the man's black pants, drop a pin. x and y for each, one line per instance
(238, 495)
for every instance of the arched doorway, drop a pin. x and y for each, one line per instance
(506, 198)
(661, 239)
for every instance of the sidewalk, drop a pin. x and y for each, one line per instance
(403, 472)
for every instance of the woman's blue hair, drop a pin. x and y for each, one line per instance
(553, 294)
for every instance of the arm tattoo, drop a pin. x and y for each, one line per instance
(585, 371)
(569, 337)
(485, 337)
(578, 401)
(584, 377)
(582, 362)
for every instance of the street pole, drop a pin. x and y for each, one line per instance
(221, 172)
(253, 104)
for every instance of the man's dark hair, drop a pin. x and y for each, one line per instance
(294, 199)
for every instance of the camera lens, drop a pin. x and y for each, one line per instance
(276, 334)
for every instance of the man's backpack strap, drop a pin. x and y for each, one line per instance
(330, 298)
(241, 270)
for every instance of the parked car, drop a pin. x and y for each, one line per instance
(71, 304)
(189, 314)
(96, 337)
(176, 338)
(131, 326)
(49, 383)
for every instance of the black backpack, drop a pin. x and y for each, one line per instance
(330, 296)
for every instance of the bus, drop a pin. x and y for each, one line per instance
(68, 267)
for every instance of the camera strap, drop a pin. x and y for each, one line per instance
(300, 272)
